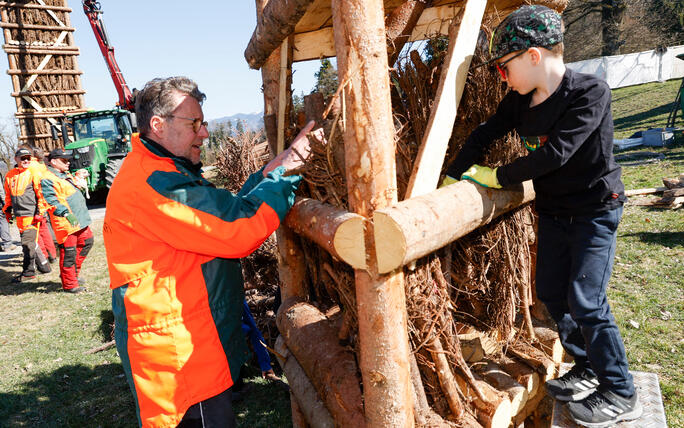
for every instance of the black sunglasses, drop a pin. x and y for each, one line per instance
(502, 67)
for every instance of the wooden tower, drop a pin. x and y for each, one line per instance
(43, 66)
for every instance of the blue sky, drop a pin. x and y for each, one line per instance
(204, 40)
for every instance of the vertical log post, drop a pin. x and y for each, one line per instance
(371, 183)
(291, 267)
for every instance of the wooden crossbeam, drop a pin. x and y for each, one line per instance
(35, 6)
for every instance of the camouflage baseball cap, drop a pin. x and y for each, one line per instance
(527, 27)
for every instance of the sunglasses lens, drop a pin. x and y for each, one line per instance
(501, 71)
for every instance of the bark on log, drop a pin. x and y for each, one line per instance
(548, 341)
(310, 403)
(330, 367)
(534, 358)
(446, 377)
(522, 373)
(496, 411)
(275, 24)
(499, 379)
(298, 419)
(418, 226)
(400, 24)
(370, 170)
(337, 231)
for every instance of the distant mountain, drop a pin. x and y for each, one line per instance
(251, 121)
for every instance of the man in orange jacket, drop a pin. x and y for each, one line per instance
(173, 244)
(22, 196)
(69, 217)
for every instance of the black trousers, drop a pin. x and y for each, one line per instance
(215, 412)
(33, 256)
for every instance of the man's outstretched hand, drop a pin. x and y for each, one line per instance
(300, 149)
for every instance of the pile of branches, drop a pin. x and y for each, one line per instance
(237, 157)
(481, 280)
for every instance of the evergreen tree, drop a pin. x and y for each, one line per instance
(326, 79)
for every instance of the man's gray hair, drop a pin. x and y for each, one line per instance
(157, 98)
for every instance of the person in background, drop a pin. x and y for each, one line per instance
(251, 330)
(173, 243)
(22, 193)
(70, 219)
(6, 243)
(45, 242)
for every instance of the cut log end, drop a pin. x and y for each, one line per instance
(390, 243)
(349, 243)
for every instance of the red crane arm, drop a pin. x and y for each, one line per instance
(93, 11)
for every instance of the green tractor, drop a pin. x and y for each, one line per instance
(102, 139)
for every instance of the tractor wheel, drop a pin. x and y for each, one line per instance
(112, 168)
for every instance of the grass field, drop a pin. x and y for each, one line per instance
(48, 379)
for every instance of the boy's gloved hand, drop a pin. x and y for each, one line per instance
(482, 175)
(71, 219)
(447, 181)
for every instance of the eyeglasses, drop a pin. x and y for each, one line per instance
(197, 124)
(502, 67)
(25, 158)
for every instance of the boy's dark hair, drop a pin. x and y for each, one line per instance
(527, 27)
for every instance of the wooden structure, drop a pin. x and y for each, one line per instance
(43, 65)
(381, 235)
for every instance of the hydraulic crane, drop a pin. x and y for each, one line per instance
(93, 10)
(101, 139)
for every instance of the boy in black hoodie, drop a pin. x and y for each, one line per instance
(565, 122)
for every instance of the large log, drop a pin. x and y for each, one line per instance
(498, 378)
(548, 341)
(371, 184)
(522, 373)
(463, 33)
(400, 24)
(308, 401)
(495, 411)
(337, 231)
(418, 226)
(330, 367)
(274, 25)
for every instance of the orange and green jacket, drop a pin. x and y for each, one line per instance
(23, 195)
(64, 198)
(173, 242)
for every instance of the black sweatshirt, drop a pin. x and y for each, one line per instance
(572, 165)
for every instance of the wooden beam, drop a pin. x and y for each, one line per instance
(463, 35)
(370, 170)
(34, 6)
(310, 403)
(400, 25)
(11, 49)
(418, 226)
(330, 366)
(337, 231)
(36, 27)
(29, 72)
(283, 93)
(47, 93)
(274, 25)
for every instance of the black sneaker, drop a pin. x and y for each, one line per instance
(22, 278)
(574, 385)
(603, 409)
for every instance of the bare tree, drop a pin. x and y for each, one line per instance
(8, 141)
(611, 13)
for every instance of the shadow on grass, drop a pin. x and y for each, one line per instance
(668, 239)
(31, 286)
(635, 121)
(107, 325)
(71, 396)
(265, 405)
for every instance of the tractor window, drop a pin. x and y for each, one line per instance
(96, 127)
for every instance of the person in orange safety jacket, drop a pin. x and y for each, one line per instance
(69, 218)
(173, 244)
(22, 191)
(45, 242)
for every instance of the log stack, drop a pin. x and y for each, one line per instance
(43, 66)
(415, 311)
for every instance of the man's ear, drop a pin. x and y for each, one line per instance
(157, 125)
(535, 55)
